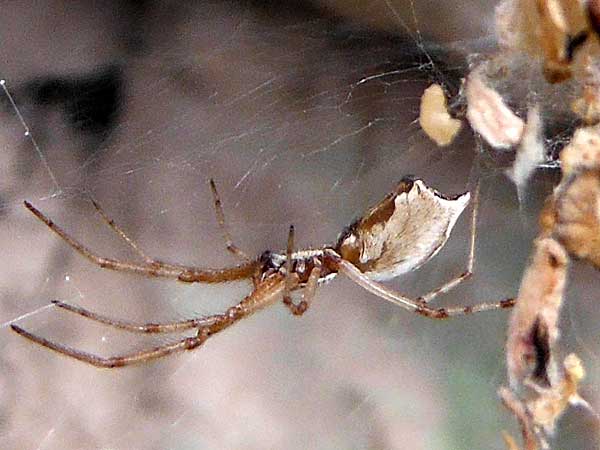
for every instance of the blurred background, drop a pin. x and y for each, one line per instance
(304, 112)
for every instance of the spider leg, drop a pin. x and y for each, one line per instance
(448, 286)
(136, 327)
(113, 361)
(223, 226)
(309, 291)
(264, 295)
(287, 296)
(418, 306)
(186, 274)
(111, 223)
(311, 284)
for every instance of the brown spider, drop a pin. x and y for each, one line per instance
(402, 232)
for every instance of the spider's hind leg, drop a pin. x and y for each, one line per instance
(151, 268)
(449, 285)
(414, 305)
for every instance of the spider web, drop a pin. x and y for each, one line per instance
(303, 116)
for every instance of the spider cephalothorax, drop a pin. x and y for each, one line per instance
(302, 264)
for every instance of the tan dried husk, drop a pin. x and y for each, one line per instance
(434, 117)
(544, 29)
(570, 226)
(489, 116)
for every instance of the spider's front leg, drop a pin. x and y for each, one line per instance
(309, 291)
(150, 267)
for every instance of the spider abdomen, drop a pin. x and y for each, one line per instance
(402, 232)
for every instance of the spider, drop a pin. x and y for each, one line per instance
(399, 234)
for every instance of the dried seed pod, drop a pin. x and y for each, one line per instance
(593, 12)
(553, 30)
(434, 118)
(577, 215)
(520, 411)
(547, 219)
(583, 152)
(538, 413)
(489, 116)
(550, 404)
(533, 328)
(572, 213)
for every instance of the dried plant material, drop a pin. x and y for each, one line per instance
(547, 408)
(541, 390)
(533, 328)
(519, 410)
(531, 152)
(489, 116)
(547, 219)
(570, 222)
(538, 413)
(434, 118)
(510, 442)
(403, 231)
(583, 152)
(572, 213)
(553, 30)
(577, 215)
(588, 105)
(513, 27)
(561, 28)
(588, 108)
(516, 23)
(593, 12)
(547, 393)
